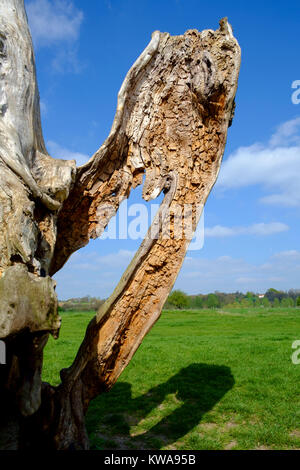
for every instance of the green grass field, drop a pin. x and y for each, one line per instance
(200, 380)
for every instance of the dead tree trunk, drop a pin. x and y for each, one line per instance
(174, 108)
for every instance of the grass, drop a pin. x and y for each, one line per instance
(200, 380)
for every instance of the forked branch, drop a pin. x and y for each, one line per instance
(174, 109)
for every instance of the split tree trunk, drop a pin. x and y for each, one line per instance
(174, 108)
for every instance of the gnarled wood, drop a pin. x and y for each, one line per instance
(174, 108)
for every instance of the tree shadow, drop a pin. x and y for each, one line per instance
(197, 389)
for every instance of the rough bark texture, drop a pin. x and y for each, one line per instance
(174, 108)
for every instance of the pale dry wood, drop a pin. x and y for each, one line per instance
(32, 184)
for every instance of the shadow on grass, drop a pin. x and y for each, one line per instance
(193, 391)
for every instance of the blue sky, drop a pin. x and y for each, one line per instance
(83, 51)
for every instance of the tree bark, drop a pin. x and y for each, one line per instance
(174, 109)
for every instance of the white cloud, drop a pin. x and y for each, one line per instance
(219, 231)
(43, 107)
(286, 133)
(200, 275)
(288, 255)
(66, 60)
(246, 280)
(92, 273)
(57, 151)
(112, 260)
(275, 166)
(52, 21)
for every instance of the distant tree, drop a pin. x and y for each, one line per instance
(276, 303)
(178, 299)
(246, 302)
(292, 302)
(250, 299)
(212, 301)
(234, 305)
(265, 302)
(272, 294)
(286, 302)
(238, 296)
(228, 299)
(196, 302)
(298, 301)
(250, 296)
(294, 294)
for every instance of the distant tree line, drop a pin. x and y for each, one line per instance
(180, 300)
(78, 304)
(272, 298)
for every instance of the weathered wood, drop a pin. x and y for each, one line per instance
(32, 185)
(32, 188)
(174, 108)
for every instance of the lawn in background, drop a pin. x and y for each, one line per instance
(206, 379)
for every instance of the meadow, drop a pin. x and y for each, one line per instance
(209, 379)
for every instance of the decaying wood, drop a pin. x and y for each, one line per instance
(174, 108)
